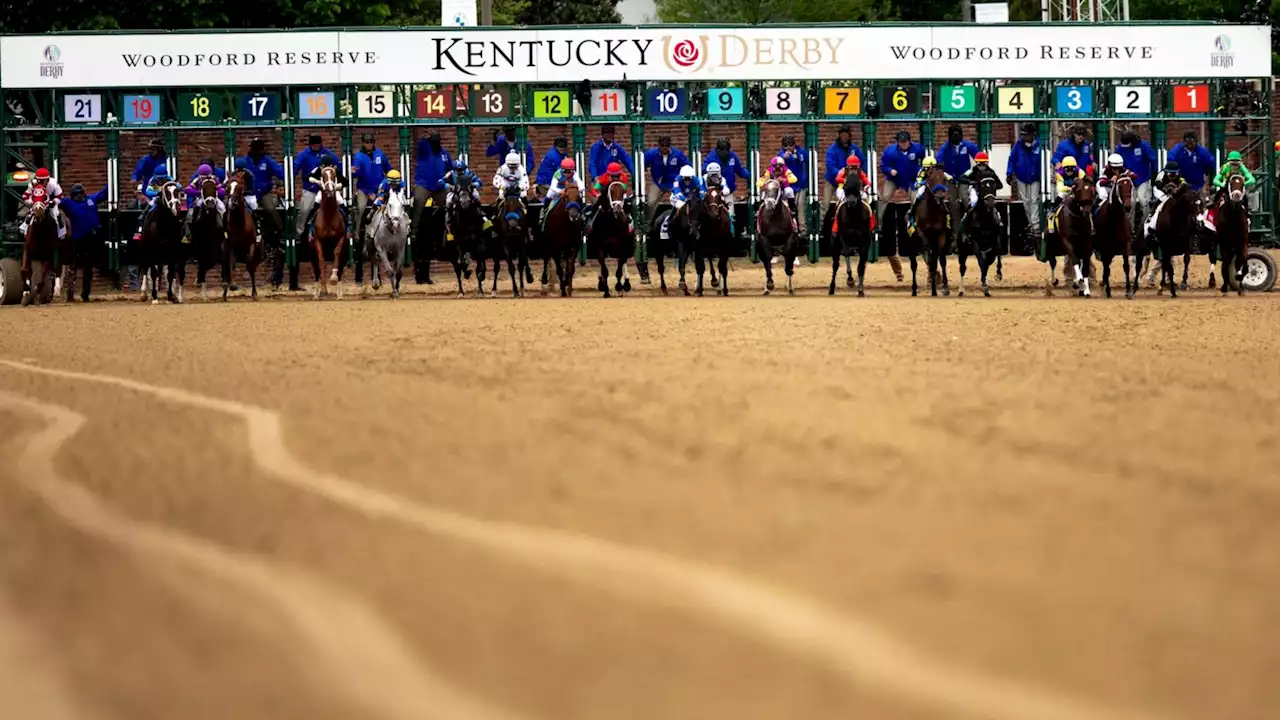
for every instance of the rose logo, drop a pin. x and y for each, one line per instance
(685, 55)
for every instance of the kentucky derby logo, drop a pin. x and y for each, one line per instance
(52, 65)
(685, 55)
(1222, 57)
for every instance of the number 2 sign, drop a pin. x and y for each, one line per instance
(1132, 100)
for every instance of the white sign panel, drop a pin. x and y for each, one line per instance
(612, 54)
(991, 13)
(782, 101)
(1131, 100)
(458, 13)
(608, 101)
(375, 104)
(82, 108)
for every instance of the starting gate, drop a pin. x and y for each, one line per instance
(74, 101)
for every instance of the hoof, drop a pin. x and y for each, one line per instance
(626, 285)
(603, 286)
(686, 291)
(767, 292)
(849, 282)
(429, 281)
(1128, 296)
(946, 292)
(698, 292)
(986, 292)
(1108, 292)
(466, 274)
(645, 280)
(791, 291)
(461, 295)
(999, 276)
(715, 282)
(1240, 292)
(831, 289)
(1182, 285)
(961, 293)
(1055, 282)
(617, 287)
(861, 294)
(1213, 282)
(156, 301)
(724, 291)
(664, 290)
(769, 284)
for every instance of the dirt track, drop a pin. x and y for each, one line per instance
(643, 508)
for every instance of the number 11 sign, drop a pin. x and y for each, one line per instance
(608, 102)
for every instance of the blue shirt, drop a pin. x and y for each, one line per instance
(369, 169)
(1193, 167)
(666, 171)
(83, 214)
(550, 166)
(305, 163)
(602, 155)
(686, 185)
(1083, 153)
(146, 166)
(1024, 162)
(956, 159)
(501, 147)
(906, 162)
(837, 154)
(263, 168)
(798, 164)
(1139, 160)
(730, 169)
(430, 167)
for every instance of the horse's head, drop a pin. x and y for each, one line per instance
(1122, 191)
(209, 188)
(235, 192)
(171, 197)
(617, 193)
(394, 211)
(1084, 192)
(329, 181)
(1235, 189)
(573, 202)
(770, 194)
(987, 193)
(935, 176)
(853, 183)
(716, 206)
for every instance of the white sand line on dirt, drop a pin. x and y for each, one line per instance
(345, 646)
(865, 656)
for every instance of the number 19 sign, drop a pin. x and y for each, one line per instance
(141, 109)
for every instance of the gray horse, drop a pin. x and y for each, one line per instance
(390, 236)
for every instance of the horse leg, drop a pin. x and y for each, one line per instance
(228, 265)
(603, 283)
(723, 262)
(699, 264)
(1186, 265)
(790, 269)
(1225, 258)
(862, 269)
(682, 260)
(984, 268)
(622, 276)
(766, 259)
(1166, 265)
(942, 268)
(848, 269)
(517, 279)
(963, 260)
(915, 288)
(999, 270)
(659, 259)
(835, 268)
(933, 271)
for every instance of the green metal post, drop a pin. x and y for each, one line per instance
(291, 215)
(348, 145)
(406, 153)
(926, 135)
(814, 209)
(868, 148)
(579, 150)
(1218, 135)
(640, 209)
(113, 224)
(464, 141)
(984, 136)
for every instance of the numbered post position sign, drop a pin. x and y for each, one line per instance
(259, 107)
(842, 101)
(1016, 100)
(316, 106)
(724, 101)
(1073, 100)
(141, 109)
(900, 100)
(492, 103)
(667, 102)
(199, 108)
(606, 102)
(1191, 99)
(551, 104)
(957, 100)
(1131, 100)
(433, 104)
(375, 105)
(82, 108)
(782, 101)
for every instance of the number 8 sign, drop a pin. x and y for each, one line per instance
(782, 101)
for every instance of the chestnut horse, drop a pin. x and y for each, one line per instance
(39, 250)
(207, 235)
(328, 236)
(715, 239)
(612, 236)
(775, 235)
(1075, 232)
(851, 233)
(931, 224)
(242, 239)
(562, 238)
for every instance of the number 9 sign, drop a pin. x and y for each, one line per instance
(724, 101)
(903, 100)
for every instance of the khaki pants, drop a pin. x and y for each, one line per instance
(1029, 194)
(269, 204)
(362, 203)
(1141, 199)
(304, 209)
(888, 187)
(654, 195)
(803, 220)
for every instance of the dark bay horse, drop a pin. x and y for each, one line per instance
(39, 250)
(931, 224)
(775, 236)
(328, 236)
(684, 228)
(207, 235)
(1232, 221)
(513, 241)
(1115, 234)
(1175, 226)
(715, 238)
(242, 239)
(160, 252)
(562, 239)
(982, 235)
(466, 228)
(1075, 231)
(851, 232)
(612, 237)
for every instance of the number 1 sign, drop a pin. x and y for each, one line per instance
(1191, 99)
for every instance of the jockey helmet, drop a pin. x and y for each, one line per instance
(161, 171)
(204, 170)
(1171, 167)
(981, 157)
(1069, 162)
(713, 168)
(614, 168)
(459, 164)
(778, 163)
(393, 177)
(687, 171)
(42, 174)
(1278, 145)
(243, 164)
(1115, 160)
(568, 164)
(513, 159)
(1233, 156)
(929, 161)
(327, 161)
(852, 161)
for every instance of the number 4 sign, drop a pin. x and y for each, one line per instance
(1016, 100)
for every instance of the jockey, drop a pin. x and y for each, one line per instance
(315, 178)
(853, 164)
(244, 173)
(511, 175)
(157, 180)
(926, 165)
(1233, 166)
(1067, 176)
(204, 172)
(613, 173)
(52, 190)
(980, 171)
(454, 177)
(714, 178)
(391, 185)
(1167, 184)
(1115, 170)
(779, 171)
(686, 185)
(564, 177)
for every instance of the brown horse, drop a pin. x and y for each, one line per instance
(1075, 232)
(981, 235)
(512, 241)
(715, 238)
(851, 233)
(1175, 226)
(329, 236)
(562, 238)
(611, 235)
(931, 224)
(1232, 221)
(775, 235)
(1115, 233)
(39, 250)
(242, 238)
(160, 252)
(207, 235)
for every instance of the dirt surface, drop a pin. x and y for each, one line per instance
(750, 507)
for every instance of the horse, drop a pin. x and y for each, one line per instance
(40, 249)
(775, 235)
(242, 239)
(1232, 221)
(931, 223)
(852, 233)
(466, 229)
(1175, 226)
(562, 239)
(207, 235)
(1075, 232)
(715, 238)
(1115, 233)
(612, 236)
(981, 235)
(390, 238)
(328, 241)
(513, 241)
(160, 251)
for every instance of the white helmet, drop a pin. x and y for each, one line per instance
(687, 171)
(513, 159)
(1114, 160)
(713, 168)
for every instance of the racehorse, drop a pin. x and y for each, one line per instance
(562, 239)
(390, 238)
(466, 228)
(931, 224)
(208, 237)
(1075, 230)
(328, 235)
(611, 235)
(775, 235)
(242, 239)
(40, 250)
(1174, 228)
(1115, 233)
(684, 227)
(1232, 221)
(852, 233)
(981, 235)
(715, 237)
(160, 252)
(513, 241)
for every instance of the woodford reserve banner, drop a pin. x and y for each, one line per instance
(612, 53)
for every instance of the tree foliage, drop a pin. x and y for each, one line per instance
(570, 12)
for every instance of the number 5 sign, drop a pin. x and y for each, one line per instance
(958, 99)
